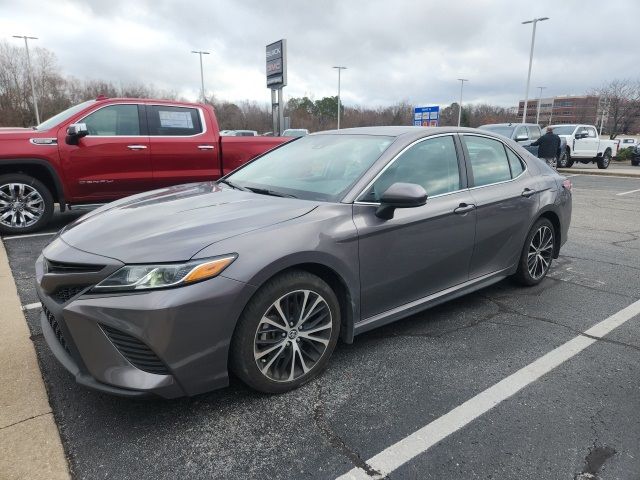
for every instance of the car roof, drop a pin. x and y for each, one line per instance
(509, 124)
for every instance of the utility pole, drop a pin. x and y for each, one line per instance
(539, 100)
(33, 87)
(200, 52)
(533, 41)
(339, 71)
(461, 80)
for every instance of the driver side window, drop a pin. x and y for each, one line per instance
(432, 164)
(114, 120)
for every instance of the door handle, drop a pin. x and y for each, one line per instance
(206, 147)
(464, 208)
(136, 147)
(527, 192)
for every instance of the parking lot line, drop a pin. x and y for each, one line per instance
(421, 440)
(14, 237)
(630, 191)
(31, 306)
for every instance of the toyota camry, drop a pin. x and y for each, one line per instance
(262, 272)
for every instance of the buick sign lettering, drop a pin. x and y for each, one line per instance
(276, 66)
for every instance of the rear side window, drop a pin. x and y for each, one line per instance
(534, 132)
(489, 162)
(114, 120)
(515, 163)
(173, 121)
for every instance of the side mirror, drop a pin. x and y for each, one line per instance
(522, 138)
(75, 132)
(400, 195)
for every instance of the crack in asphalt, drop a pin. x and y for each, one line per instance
(598, 454)
(602, 261)
(27, 419)
(335, 440)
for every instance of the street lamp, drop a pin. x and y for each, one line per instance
(200, 52)
(533, 39)
(461, 80)
(33, 88)
(539, 100)
(339, 71)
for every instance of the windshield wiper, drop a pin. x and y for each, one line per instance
(264, 191)
(233, 185)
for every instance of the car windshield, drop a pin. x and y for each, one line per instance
(62, 116)
(563, 129)
(315, 167)
(503, 130)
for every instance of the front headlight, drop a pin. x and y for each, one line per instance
(146, 277)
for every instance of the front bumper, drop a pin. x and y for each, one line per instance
(186, 331)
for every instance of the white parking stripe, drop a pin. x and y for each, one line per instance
(29, 235)
(31, 306)
(420, 441)
(627, 193)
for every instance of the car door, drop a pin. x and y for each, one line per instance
(584, 145)
(506, 200)
(112, 161)
(534, 134)
(421, 250)
(182, 150)
(593, 142)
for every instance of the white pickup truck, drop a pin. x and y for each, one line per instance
(585, 146)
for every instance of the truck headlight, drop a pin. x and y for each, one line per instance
(147, 277)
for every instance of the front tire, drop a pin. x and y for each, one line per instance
(26, 204)
(287, 333)
(565, 160)
(537, 253)
(604, 160)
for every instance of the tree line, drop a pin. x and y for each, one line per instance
(56, 92)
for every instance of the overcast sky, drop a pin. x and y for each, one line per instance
(394, 49)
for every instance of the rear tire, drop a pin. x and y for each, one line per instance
(635, 163)
(565, 160)
(26, 204)
(286, 333)
(537, 253)
(604, 161)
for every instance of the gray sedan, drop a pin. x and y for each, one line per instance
(320, 239)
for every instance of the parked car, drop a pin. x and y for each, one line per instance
(585, 146)
(525, 134)
(635, 158)
(626, 143)
(295, 132)
(106, 149)
(262, 271)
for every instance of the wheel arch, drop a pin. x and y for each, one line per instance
(39, 169)
(555, 221)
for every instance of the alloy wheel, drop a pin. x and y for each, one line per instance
(540, 252)
(21, 205)
(292, 335)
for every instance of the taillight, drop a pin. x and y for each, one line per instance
(566, 184)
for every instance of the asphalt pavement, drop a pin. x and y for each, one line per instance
(580, 420)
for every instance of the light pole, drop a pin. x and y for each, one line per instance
(533, 40)
(339, 71)
(539, 100)
(33, 88)
(200, 52)
(461, 80)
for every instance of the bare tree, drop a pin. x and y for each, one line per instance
(621, 100)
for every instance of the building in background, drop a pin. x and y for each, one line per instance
(564, 109)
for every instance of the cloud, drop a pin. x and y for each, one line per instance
(394, 50)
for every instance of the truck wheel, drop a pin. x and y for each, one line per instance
(26, 205)
(604, 160)
(565, 160)
(635, 163)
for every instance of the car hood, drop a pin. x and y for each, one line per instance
(173, 224)
(13, 133)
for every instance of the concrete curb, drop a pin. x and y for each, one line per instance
(29, 438)
(605, 173)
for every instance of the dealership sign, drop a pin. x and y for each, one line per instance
(277, 64)
(426, 116)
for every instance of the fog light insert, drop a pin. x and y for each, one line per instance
(135, 351)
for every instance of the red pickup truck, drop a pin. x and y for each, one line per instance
(108, 148)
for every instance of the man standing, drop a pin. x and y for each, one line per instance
(548, 147)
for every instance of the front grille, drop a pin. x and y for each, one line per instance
(56, 328)
(64, 294)
(137, 352)
(64, 267)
